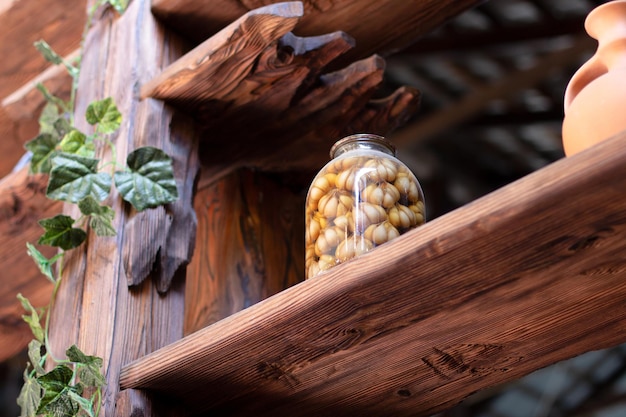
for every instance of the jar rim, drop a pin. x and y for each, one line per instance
(368, 137)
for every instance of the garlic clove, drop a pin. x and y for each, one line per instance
(366, 214)
(327, 262)
(353, 246)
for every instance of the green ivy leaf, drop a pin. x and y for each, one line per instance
(101, 217)
(59, 232)
(75, 142)
(33, 319)
(44, 264)
(43, 148)
(84, 404)
(72, 141)
(87, 151)
(62, 127)
(74, 177)
(105, 114)
(51, 56)
(49, 115)
(34, 354)
(150, 182)
(56, 400)
(89, 367)
(47, 52)
(30, 396)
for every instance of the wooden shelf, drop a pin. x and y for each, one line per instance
(524, 277)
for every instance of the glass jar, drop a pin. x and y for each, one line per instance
(361, 199)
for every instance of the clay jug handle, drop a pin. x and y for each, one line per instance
(590, 70)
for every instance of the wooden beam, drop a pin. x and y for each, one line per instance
(216, 67)
(529, 275)
(95, 308)
(23, 201)
(26, 102)
(378, 26)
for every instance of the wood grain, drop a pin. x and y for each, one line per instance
(223, 59)
(22, 203)
(95, 308)
(378, 26)
(524, 277)
(249, 246)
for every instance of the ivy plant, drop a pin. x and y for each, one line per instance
(76, 176)
(72, 386)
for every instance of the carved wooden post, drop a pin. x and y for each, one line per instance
(95, 307)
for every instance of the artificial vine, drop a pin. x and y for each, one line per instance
(73, 387)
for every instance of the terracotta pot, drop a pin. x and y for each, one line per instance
(595, 98)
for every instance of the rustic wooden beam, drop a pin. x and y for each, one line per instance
(26, 102)
(301, 137)
(23, 201)
(378, 26)
(95, 308)
(214, 68)
(524, 277)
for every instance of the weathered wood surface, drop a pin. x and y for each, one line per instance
(249, 246)
(95, 308)
(263, 99)
(235, 48)
(22, 203)
(526, 276)
(378, 26)
(58, 22)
